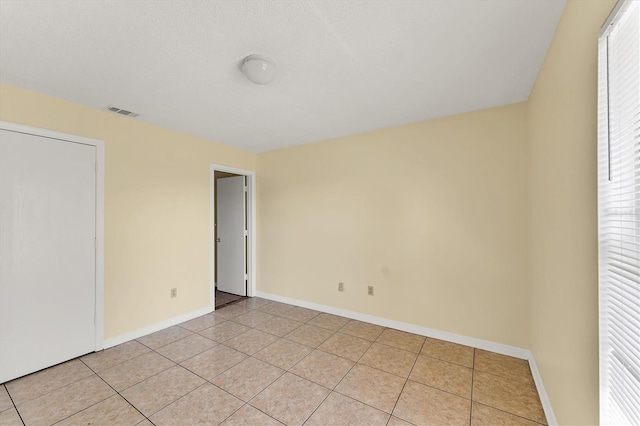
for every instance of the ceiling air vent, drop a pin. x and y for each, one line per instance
(122, 111)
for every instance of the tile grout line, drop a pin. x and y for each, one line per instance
(15, 407)
(93, 372)
(271, 319)
(364, 403)
(213, 384)
(332, 390)
(504, 378)
(44, 369)
(428, 385)
(175, 341)
(86, 408)
(352, 367)
(532, 383)
(340, 356)
(500, 409)
(512, 414)
(438, 389)
(274, 334)
(269, 385)
(234, 411)
(223, 371)
(117, 393)
(473, 375)
(311, 381)
(178, 399)
(192, 390)
(253, 406)
(115, 365)
(395, 347)
(124, 362)
(198, 353)
(447, 361)
(175, 364)
(407, 379)
(321, 402)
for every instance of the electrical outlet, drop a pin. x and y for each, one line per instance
(370, 291)
(340, 286)
(174, 292)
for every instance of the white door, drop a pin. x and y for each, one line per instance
(230, 247)
(47, 252)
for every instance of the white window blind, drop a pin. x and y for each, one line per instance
(619, 215)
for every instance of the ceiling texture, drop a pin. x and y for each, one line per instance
(344, 67)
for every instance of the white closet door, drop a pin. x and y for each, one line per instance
(47, 252)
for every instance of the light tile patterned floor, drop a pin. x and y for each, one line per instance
(257, 362)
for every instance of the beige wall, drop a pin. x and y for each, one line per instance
(562, 175)
(433, 215)
(156, 206)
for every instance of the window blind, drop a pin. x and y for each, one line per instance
(619, 215)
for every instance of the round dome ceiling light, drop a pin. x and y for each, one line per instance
(259, 69)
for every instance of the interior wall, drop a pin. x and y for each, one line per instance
(433, 215)
(564, 236)
(156, 206)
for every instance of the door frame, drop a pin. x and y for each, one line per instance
(99, 253)
(251, 225)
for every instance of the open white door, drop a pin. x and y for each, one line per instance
(230, 246)
(47, 252)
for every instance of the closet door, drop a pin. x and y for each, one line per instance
(47, 252)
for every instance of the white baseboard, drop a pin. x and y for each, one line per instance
(433, 333)
(544, 398)
(155, 327)
(404, 326)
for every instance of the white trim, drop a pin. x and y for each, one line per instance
(51, 134)
(436, 334)
(99, 278)
(212, 239)
(251, 184)
(100, 246)
(156, 327)
(404, 326)
(614, 16)
(544, 398)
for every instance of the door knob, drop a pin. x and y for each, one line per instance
(217, 240)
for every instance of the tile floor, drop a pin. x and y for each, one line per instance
(257, 362)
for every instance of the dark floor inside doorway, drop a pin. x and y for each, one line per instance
(224, 299)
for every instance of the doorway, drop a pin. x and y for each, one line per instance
(233, 236)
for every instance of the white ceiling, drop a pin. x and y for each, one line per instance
(344, 67)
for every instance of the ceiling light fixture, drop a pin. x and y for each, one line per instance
(259, 69)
